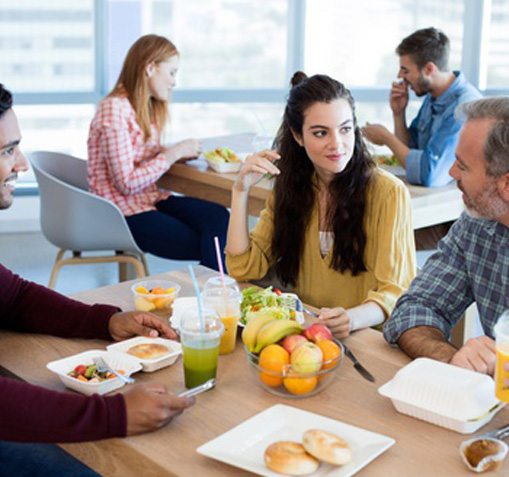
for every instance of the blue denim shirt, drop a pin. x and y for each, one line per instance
(434, 134)
(471, 264)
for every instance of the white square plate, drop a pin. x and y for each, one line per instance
(244, 445)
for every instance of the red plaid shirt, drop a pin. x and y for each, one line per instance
(121, 167)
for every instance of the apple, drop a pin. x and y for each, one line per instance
(293, 341)
(307, 358)
(317, 332)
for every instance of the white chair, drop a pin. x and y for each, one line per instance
(75, 220)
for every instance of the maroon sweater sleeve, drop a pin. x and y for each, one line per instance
(33, 414)
(26, 306)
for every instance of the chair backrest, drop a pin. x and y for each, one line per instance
(71, 217)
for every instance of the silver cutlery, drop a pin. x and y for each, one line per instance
(500, 433)
(299, 306)
(102, 366)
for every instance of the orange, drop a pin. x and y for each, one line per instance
(273, 358)
(331, 353)
(300, 385)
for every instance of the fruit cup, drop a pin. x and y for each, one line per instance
(155, 296)
(273, 371)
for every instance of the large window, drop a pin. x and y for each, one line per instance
(356, 41)
(47, 46)
(498, 53)
(237, 56)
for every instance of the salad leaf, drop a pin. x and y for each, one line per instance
(258, 300)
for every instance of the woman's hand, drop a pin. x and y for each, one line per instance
(337, 320)
(255, 167)
(188, 149)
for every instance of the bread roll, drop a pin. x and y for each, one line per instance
(148, 350)
(289, 458)
(327, 447)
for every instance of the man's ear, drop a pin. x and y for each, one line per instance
(150, 69)
(297, 138)
(429, 68)
(503, 186)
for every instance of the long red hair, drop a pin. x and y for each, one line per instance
(133, 81)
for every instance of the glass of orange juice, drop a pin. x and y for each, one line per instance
(226, 303)
(502, 344)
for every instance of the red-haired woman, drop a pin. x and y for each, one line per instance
(126, 158)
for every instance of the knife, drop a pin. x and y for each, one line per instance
(358, 366)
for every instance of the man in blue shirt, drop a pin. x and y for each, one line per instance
(426, 148)
(472, 261)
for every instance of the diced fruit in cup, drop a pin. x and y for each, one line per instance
(144, 304)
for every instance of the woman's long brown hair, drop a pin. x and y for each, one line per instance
(133, 81)
(295, 193)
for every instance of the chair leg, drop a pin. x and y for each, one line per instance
(145, 264)
(123, 272)
(56, 268)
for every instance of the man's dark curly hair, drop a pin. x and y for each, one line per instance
(5, 100)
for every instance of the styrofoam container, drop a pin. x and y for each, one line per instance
(150, 365)
(224, 167)
(443, 394)
(129, 364)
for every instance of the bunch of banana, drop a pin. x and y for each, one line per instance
(265, 330)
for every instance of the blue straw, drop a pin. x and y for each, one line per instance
(198, 298)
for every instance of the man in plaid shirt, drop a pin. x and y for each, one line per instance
(472, 261)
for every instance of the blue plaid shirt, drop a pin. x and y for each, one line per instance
(434, 134)
(471, 264)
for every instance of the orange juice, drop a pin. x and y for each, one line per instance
(226, 303)
(502, 377)
(229, 337)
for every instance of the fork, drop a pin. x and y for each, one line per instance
(102, 366)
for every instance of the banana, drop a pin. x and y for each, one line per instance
(252, 328)
(274, 331)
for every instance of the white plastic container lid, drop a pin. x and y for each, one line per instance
(442, 388)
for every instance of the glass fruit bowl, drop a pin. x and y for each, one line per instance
(155, 295)
(294, 381)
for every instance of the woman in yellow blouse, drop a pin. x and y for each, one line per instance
(336, 229)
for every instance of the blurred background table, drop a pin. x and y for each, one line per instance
(431, 206)
(421, 449)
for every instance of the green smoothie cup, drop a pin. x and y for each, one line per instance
(200, 347)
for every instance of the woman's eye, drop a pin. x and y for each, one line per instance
(9, 151)
(319, 134)
(346, 129)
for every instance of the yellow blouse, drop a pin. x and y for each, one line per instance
(389, 253)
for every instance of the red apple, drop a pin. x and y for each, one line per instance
(317, 332)
(293, 341)
(307, 358)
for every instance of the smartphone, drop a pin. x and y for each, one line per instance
(199, 389)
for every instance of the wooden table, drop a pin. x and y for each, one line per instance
(431, 206)
(421, 449)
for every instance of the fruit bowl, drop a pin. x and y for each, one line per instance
(155, 295)
(291, 382)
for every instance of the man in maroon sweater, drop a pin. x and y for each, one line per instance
(30, 413)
